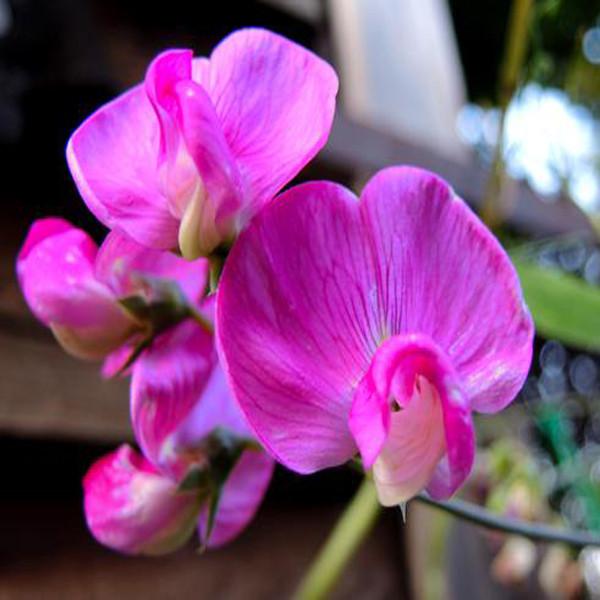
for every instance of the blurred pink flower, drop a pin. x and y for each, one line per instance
(180, 400)
(77, 289)
(185, 159)
(375, 326)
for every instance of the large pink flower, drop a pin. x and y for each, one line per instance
(184, 160)
(375, 325)
(182, 411)
(77, 289)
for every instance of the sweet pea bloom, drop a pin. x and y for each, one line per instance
(184, 160)
(107, 300)
(375, 325)
(196, 455)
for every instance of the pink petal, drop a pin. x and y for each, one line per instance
(412, 450)
(443, 274)
(275, 101)
(167, 381)
(204, 186)
(369, 419)
(223, 191)
(132, 508)
(56, 272)
(433, 418)
(165, 71)
(113, 157)
(214, 409)
(45, 228)
(295, 328)
(240, 499)
(319, 281)
(121, 261)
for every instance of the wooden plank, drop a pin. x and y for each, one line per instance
(46, 392)
(356, 148)
(47, 553)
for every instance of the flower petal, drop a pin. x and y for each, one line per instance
(132, 508)
(413, 449)
(369, 420)
(167, 381)
(275, 101)
(431, 418)
(113, 157)
(318, 282)
(241, 496)
(163, 75)
(121, 260)
(56, 273)
(215, 409)
(441, 273)
(295, 326)
(222, 191)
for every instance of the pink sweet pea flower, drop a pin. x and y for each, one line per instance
(185, 159)
(77, 289)
(180, 403)
(375, 325)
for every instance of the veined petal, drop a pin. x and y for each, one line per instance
(442, 273)
(56, 272)
(242, 494)
(131, 507)
(275, 101)
(167, 382)
(318, 282)
(295, 326)
(113, 158)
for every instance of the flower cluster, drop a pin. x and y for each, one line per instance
(340, 326)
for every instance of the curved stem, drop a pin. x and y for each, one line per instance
(534, 531)
(351, 529)
(205, 323)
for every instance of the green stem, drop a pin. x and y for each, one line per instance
(205, 323)
(351, 529)
(215, 266)
(515, 52)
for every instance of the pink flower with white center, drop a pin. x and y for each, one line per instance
(145, 504)
(77, 289)
(375, 325)
(184, 160)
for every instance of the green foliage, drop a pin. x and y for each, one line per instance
(563, 306)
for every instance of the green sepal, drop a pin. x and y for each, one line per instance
(222, 450)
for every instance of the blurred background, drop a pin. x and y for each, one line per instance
(500, 98)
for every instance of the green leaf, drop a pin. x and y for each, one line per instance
(564, 307)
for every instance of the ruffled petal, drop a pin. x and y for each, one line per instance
(275, 101)
(241, 496)
(167, 382)
(295, 323)
(429, 418)
(113, 157)
(56, 273)
(413, 448)
(131, 507)
(441, 273)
